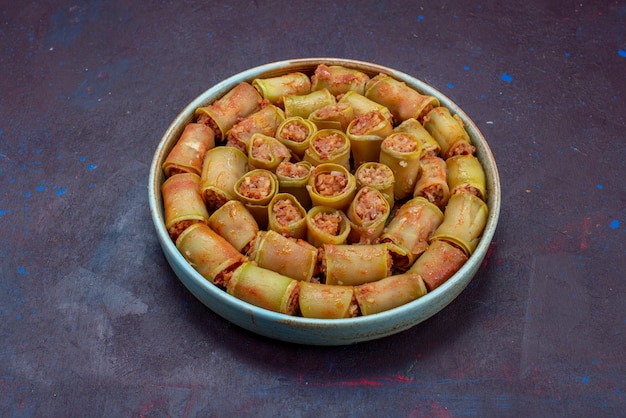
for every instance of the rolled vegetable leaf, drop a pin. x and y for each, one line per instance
(329, 146)
(331, 185)
(221, 169)
(376, 175)
(266, 152)
(293, 179)
(402, 152)
(235, 223)
(182, 203)
(389, 293)
(264, 121)
(366, 134)
(325, 301)
(465, 218)
(221, 115)
(401, 100)
(361, 105)
(410, 229)
(264, 288)
(368, 214)
(466, 175)
(430, 146)
(438, 263)
(188, 153)
(296, 133)
(334, 116)
(449, 132)
(432, 184)
(287, 216)
(304, 105)
(326, 226)
(351, 265)
(209, 253)
(274, 89)
(255, 189)
(338, 79)
(291, 257)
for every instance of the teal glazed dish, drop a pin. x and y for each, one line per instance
(312, 331)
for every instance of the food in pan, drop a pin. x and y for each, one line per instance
(333, 194)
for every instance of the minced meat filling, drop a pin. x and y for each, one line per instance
(330, 184)
(326, 144)
(286, 213)
(330, 223)
(374, 175)
(400, 143)
(292, 170)
(294, 131)
(370, 205)
(256, 186)
(365, 122)
(261, 150)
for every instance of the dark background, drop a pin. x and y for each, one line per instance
(93, 322)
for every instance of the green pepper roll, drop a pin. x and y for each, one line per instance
(351, 265)
(182, 203)
(326, 226)
(368, 214)
(402, 152)
(329, 146)
(338, 79)
(221, 115)
(361, 105)
(465, 218)
(304, 105)
(389, 293)
(366, 134)
(326, 301)
(287, 216)
(293, 179)
(255, 189)
(412, 126)
(378, 176)
(331, 185)
(403, 101)
(264, 121)
(221, 169)
(209, 253)
(432, 183)
(291, 257)
(274, 89)
(334, 116)
(264, 288)
(266, 152)
(296, 133)
(188, 153)
(411, 228)
(466, 175)
(449, 132)
(235, 223)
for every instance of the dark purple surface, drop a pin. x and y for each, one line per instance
(94, 322)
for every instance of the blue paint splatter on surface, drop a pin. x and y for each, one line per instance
(621, 53)
(466, 67)
(600, 186)
(3, 212)
(420, 18)
(614, 224)
(450, 85)
(585, 379)
(506, 77)
(92, 167)
(567, 54)
(61, 191)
